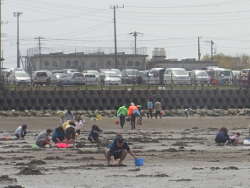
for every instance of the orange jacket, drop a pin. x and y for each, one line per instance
(131, 109)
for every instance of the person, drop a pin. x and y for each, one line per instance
(58, 135)
(43, 138)
(21, 131)
(68, 116)
(118, 149)
(157, 109)
(94, 134)
(222, 136)
(133, 112)
(139, 120)
(235, 139)
(70, 132)
(79, 122)
(150, 107)
(122, 113)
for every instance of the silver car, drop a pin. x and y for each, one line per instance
(199, 77)
(42, 77)
(19, 77)
(75, 78)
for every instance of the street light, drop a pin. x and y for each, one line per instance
(17, 15)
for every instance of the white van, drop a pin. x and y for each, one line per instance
(199, 77)
(42, 77)
(176, 76)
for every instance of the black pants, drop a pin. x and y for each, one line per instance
(122, 120)
(132, 121)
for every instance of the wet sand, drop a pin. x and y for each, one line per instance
(178, 152)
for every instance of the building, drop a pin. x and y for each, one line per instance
(159, 60)
(82, 61)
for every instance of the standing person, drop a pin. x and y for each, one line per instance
(157, 109)
(222, 136)
(150, 107)
(122, 113)
(118, 149)
(68, 116)
(133, 113)
(79, 122)
(21, 131)
(43, 138)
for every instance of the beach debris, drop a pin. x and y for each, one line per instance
(36, 162)
(30, 170)
(231, 168)
(182, 179)
(7, 179)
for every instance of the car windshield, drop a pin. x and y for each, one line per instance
(77, 75)
(41, 74)
(21, 74)
(90, 76)
(225, 73)
(111, 74)
(201, 73)
(131, 72)
(180, 72)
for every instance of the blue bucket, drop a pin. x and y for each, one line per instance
(139, 162)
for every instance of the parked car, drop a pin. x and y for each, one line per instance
(110, 78)
(66, 71)
(143, 77)
(56, 77)
(19, 77)
(129, 76)
(74, 78)
(244, 78)
(91, 78)
(236, 76)
(156, 76)
(176, 76)
(42, 77)
(199, 77)
(220, 76)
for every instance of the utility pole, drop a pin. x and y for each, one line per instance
(212, 49)
(135, 34)
(115, 38)
(39, 49)
(199, 49)
(18, 14)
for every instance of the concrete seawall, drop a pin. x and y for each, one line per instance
(110, 99)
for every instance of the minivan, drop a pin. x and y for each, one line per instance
(176, 76)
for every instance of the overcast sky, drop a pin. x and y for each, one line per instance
(170, 24)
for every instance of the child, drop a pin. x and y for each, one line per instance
(21, 132)
(94, 134)
(235, 139)
(43, 138)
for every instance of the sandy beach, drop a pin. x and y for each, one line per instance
(178, 152)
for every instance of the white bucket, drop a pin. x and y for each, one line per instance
(246, 141)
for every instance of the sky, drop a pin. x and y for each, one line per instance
(171, 24)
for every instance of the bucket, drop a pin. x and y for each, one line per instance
(139, 162)
(246, 141)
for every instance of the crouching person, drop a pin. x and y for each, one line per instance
(222, 136)
(70, 132)
(21, 132)
(58, 135)
(118, 149)
(94, 134)
(43, 138)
